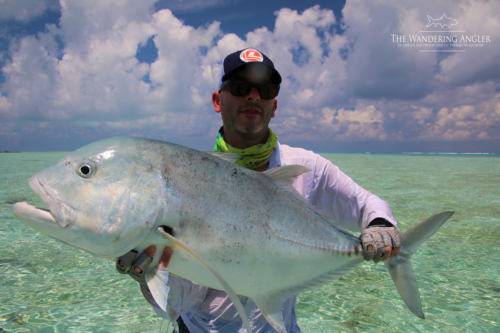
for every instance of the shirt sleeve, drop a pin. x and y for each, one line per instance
(348, 204)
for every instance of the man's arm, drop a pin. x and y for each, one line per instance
(356, 209)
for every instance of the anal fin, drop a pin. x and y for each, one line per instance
(271, 307)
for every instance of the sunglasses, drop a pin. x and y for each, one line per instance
(243, 88)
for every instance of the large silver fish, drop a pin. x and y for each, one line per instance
(231, 228)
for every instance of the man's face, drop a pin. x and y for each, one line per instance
(246, 117)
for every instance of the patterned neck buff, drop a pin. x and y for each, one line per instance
(251, 157)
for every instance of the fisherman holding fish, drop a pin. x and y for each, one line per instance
(246, 100)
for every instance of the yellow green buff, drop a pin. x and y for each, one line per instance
(251, 157)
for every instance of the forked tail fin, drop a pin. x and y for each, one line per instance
(400, 266)
(431, 22)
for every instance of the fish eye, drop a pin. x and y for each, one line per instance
(86, 169)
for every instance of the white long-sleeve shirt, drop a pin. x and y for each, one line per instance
(205, 309)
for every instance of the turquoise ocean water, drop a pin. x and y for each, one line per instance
(47, 286)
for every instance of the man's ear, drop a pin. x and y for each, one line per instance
(275, 106)
(216, 101)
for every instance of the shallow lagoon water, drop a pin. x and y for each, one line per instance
(47, 286)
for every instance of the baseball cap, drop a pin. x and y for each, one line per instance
(246, 57)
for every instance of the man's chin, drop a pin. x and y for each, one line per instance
(252, 132)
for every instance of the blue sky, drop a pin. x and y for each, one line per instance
(74, 72)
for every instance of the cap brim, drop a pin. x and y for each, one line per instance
(275, 76)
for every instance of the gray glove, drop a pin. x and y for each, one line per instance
(379, 234)
(136, 268)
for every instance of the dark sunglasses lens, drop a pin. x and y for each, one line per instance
(266, 91)
(269, 91)
(240, 89)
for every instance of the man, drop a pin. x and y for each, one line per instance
(246, 101)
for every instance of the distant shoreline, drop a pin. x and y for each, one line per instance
(422, 154)
(470, 154)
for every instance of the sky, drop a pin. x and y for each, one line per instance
(386, 76)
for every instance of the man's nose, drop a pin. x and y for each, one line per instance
(253, 95)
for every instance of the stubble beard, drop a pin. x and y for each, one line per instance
(247, 131)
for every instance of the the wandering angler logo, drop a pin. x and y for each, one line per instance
(443, 21)
(439, 36)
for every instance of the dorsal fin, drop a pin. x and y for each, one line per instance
(229, 157)
(286, 175)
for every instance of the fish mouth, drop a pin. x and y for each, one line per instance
(24, 211)
(59, 212)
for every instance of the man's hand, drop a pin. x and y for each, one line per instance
(380, 241)
(136, 267)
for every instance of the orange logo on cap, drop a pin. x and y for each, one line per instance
(249, 55)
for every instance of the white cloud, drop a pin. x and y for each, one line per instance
(354, 125)
(186, 77)
(351, 87)
(377, 68)
(194, 5)
(98, 77)
(478, 19)
(24, 10)
(467, 121)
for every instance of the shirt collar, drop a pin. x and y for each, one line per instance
(275, 159)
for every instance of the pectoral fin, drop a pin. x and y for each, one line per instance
(229, 157)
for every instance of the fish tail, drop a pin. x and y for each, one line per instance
(400, 266)
(431, 21)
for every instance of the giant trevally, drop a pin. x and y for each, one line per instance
(252, 232)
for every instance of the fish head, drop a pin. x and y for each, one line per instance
(103, 198)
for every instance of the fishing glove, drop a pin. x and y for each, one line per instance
(136, 268)
(127, 264)
(379, 234)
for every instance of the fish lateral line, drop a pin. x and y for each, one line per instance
(354, 250)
